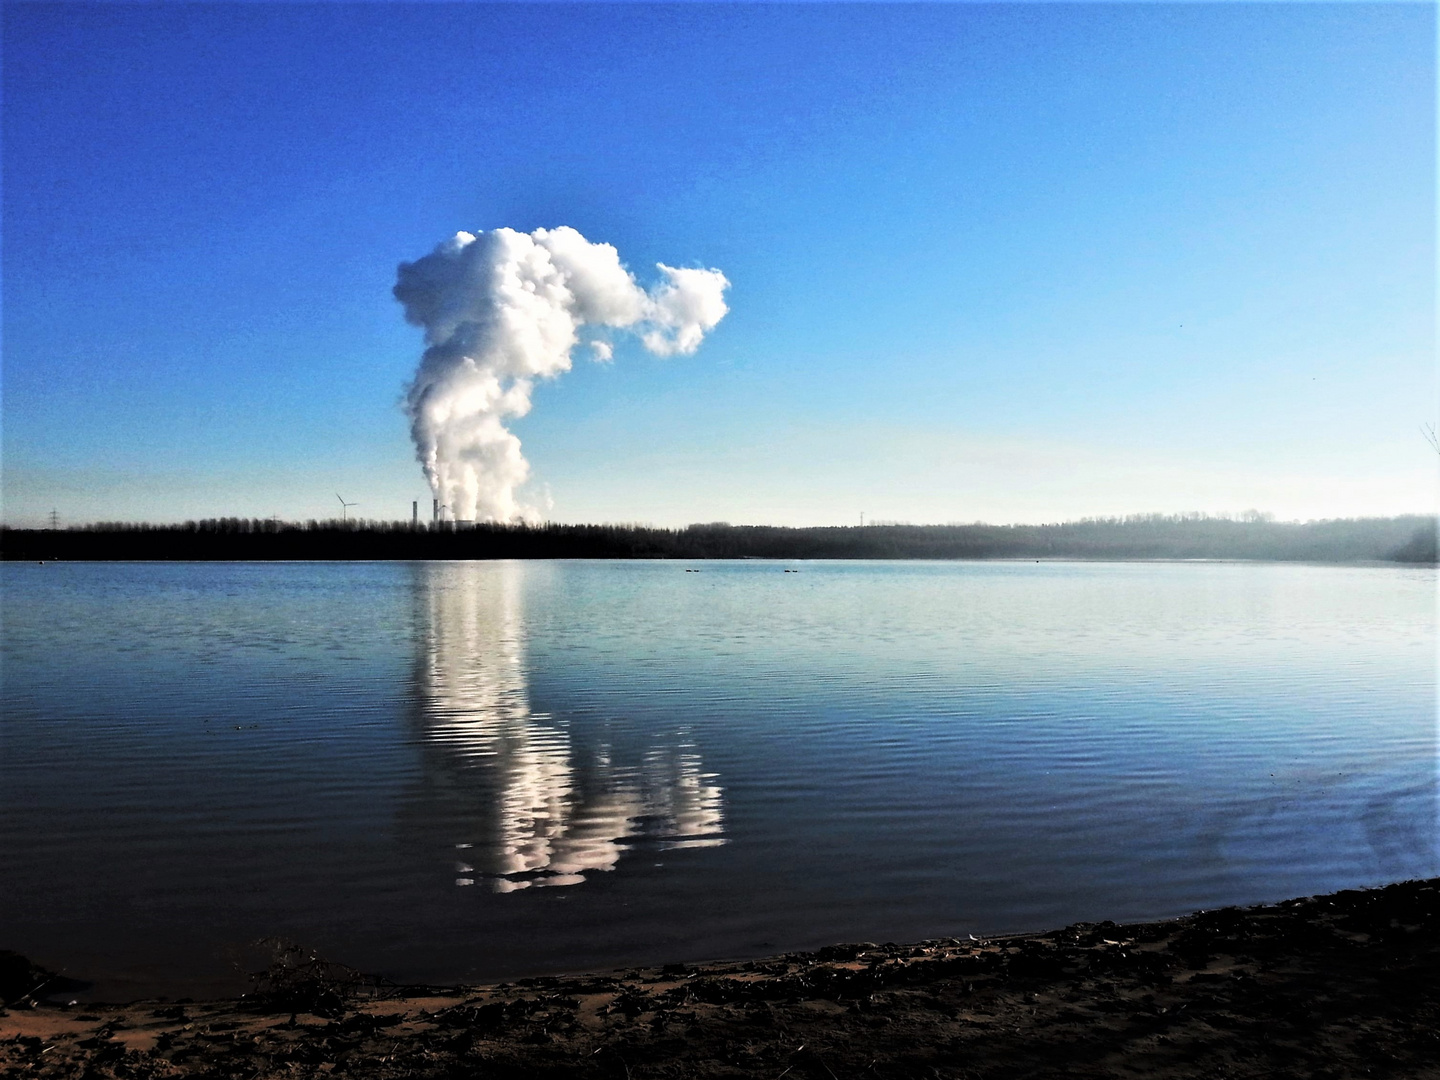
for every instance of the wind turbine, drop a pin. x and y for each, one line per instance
(345, 508)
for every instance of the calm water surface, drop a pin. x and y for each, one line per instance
(465, 771)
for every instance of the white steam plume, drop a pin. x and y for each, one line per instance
(502, 309)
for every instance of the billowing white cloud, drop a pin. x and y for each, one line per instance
(683, 309)
(502, 309)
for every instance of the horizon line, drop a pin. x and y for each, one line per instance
(1247, 517)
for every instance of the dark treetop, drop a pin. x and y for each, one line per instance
(1407, 539)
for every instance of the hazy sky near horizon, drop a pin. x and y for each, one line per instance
(1010, 263)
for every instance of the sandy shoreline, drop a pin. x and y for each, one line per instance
(1332, 986)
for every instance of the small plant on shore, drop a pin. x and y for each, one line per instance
(299, 980)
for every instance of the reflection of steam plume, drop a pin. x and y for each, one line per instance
(683, 798)
(501, 309)
(536, 818)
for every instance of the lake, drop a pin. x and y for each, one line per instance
(477, 771)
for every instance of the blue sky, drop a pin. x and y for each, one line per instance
(1010, 263)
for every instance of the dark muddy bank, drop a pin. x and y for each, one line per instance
(1334, 986)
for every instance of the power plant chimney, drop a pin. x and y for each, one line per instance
(435, 510)
(415, 513)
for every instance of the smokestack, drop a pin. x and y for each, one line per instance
(435, 510)
(414, 513)
(504, 308)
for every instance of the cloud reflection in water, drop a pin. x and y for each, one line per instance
(531, 807)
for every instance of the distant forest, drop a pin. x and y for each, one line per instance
(1409, 539)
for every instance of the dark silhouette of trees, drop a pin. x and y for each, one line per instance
(1189, 536)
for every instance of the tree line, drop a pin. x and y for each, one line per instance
(1406, 539)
